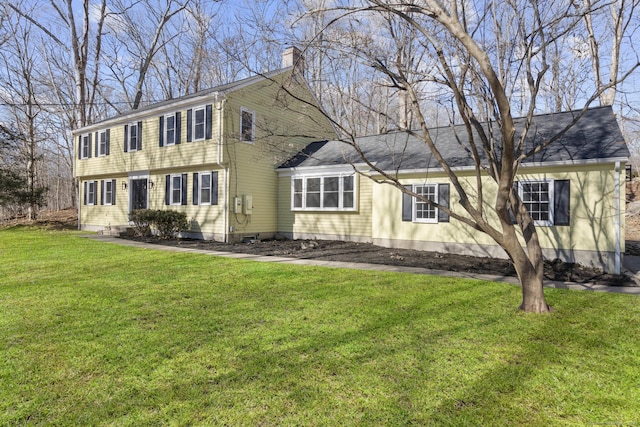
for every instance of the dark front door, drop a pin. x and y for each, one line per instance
(138, 194)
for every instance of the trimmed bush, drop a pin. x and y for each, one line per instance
(169, 223)
(142, 220)
(165, 223)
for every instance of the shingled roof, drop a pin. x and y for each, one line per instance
(596, 136)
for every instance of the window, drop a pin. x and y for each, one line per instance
(133, 137)
(198, 123)
(90, 192)
(422, 210)
(170, 127)
(84, 146)
(170, 130)
(537, 197)
(102, 139)
(176, 189)
(323, 193)
(108, 192)
(205, 188)
(246, 125)
(416, 209)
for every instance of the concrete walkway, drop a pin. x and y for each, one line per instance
(630, 263)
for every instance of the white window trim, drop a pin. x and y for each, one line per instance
(166, 129)
(93, 184)
(414, 204)
(171, 201)
(84, 150)
(202, 108)
(130, 127)
(253, 125)
(340, 207)
(550, 221)
(200, 187)
(106, 183)
(101, 152)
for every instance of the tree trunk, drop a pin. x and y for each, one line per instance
(533, 300)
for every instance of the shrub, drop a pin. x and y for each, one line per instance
(142, 220)
(169, 223)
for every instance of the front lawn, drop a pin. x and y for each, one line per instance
(99, 334)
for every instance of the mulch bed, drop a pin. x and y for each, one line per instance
(331, 250)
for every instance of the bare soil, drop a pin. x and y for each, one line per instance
(330, 250)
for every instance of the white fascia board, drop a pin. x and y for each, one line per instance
(530, 165)
(135, 115)
(322, 170)
(189, 100)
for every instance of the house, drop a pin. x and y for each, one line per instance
(252, 160)
(210, 155)
(573, 189)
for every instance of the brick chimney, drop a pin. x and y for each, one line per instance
(292, 57)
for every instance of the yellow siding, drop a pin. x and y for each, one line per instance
(279, 124)
(152, 156)
(592, 212)
(326, 224)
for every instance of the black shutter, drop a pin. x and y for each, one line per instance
(167, 190)
(89, 149)
(195, 188)
(562, 202)
(126, 138)
(79, 147)
(214, 188)
(97, 139)
(108, 138)
(178, 127)
(85, 192)
(443, 199)
(139, 135)
(189, 127)
(184, 189)
(161, 136)
(407, 205)
(113, 191)
(102, 191)
(209, 112)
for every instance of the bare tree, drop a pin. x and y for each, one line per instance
(607, 25)
(488, 71)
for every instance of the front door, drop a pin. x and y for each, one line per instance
(139, 194)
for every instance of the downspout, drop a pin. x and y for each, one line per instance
(617, 218)
(225, 204)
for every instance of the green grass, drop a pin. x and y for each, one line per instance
(99, 334)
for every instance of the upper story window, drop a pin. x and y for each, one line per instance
(323, 192)
(170, 128)
(102, 141)
(247, 125)
(199, 123)
(84, 146)
(133, 137)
